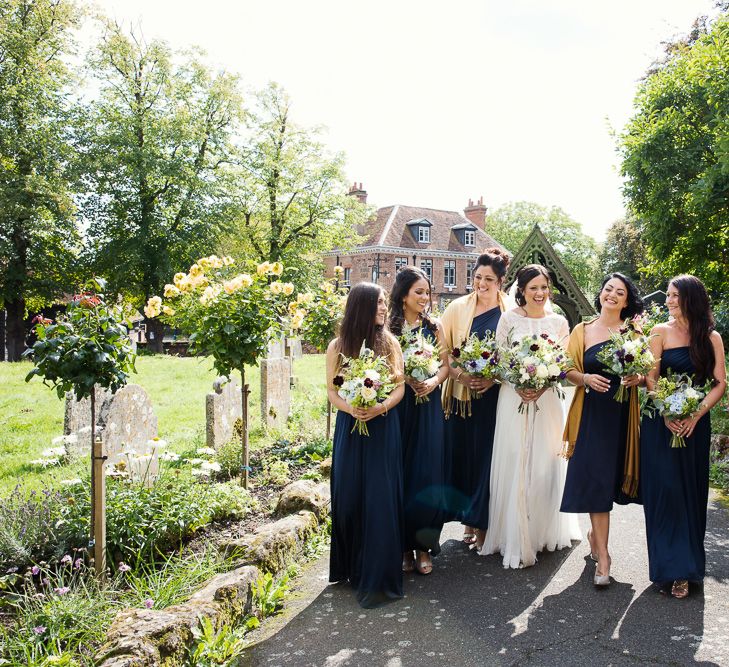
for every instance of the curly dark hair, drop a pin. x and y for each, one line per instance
(634, 304)
(696, 308)
(404, 280)
(525, 275)
(497, 259)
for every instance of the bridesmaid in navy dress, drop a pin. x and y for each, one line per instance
(366, 477)
(597, 431)
(470, 432)
(675, 481)
(421, 425)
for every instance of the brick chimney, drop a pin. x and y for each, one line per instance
(476, 213)
(357, 191)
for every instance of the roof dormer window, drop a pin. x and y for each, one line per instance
(420, 229)
(469, 237)
(423, 234)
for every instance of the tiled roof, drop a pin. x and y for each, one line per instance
(390, 228)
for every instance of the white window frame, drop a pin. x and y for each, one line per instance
(426, 265)
(400, 262)
(469, 237)
(469, 274)
(347, 277)
(423, 234)
(449, 266)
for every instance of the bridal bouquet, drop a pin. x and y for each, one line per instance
(363, 382)
(536, 362)
(421, 356)
(676, 397)
(479, 356)
(626, 353)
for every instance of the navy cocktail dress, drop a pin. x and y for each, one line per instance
(422, 428)
(366, 483)
(470, 442)
(675, 490)
(595, 470)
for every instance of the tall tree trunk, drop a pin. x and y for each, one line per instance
(155, 331)
(15, 328)
(2, 334)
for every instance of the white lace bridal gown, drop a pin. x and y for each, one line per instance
(527, 473)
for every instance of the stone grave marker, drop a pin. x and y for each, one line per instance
(275, 390)
(222, 408)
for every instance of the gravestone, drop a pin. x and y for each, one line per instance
(125, 421)
(275, 391)
(222, 408)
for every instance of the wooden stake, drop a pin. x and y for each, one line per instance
(98, 496)
(244, 391)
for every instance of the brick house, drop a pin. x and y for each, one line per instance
(445, 244)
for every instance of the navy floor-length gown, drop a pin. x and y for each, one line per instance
(366, 483)
(675, 490)
(470, 441)
(596, 468)
(422, 428)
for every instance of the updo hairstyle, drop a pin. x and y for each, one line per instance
(524, 276)
(497, 259)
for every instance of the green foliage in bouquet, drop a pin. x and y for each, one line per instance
(88, 345)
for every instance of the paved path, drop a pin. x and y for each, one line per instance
(471, 611)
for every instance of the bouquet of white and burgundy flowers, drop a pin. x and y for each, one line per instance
(627, 353)
(479, 356)
(421, 356)
(363, 382)
(677, 397)
(536, 362)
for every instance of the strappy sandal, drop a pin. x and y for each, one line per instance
(423, 564)
(480, 539)
(469, 536)
(408, 562)
(680, 589)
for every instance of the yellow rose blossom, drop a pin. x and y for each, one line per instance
(338, 271)
(171, 291)
(210, 294)
(168, 311)
(230, 286)
(305, 298)
(293, 307)
(276, 287)
(196, 270)
(185, 285)
(276, 268)
(327, 288)
(228, 261)
(245, 280)
(288, 289)
(153, 307)
(203, 262)
(215, 261)
(179, 277)
(263, 268)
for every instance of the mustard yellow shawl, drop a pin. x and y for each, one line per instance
(456, 322)
(631, 466)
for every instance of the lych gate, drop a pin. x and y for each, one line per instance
(536, 249)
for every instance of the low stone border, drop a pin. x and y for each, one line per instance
(152, 637)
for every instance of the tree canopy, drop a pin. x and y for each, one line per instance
(675, 152)
(510, 225)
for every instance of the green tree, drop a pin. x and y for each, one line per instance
(511, 224)
(675, 153)
(38, 236)
(292, 199)
(624, 251)
(159, 139)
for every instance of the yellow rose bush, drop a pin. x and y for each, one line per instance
(322, 310)
(229, 312)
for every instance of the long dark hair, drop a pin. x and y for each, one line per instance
(696, 308)
(358, 323)
(634, 304)
(404, 280)
(525, 275)
(497, 259)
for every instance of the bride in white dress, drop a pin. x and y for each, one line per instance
(527, 472)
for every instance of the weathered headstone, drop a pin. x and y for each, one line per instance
(293, 348)
(275, 391)
(222, 408)
(125, 421)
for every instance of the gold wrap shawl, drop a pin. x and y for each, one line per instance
(631, 466)
(456, 322)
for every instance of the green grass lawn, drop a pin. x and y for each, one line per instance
(31, 415)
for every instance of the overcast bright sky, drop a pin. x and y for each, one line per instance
(436, 102)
